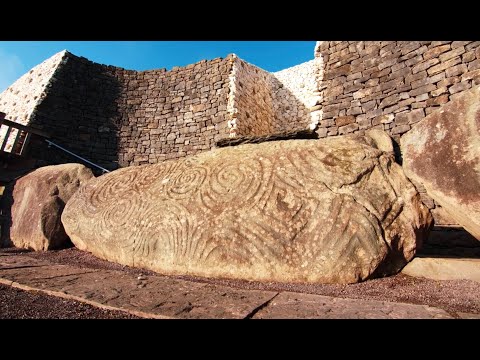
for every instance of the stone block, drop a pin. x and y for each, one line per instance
(474, 65)
(439, 91)
(409, 117)
(322, 132)
(468, 56)
(461, 86)
(471, 75)
(444, 65)
(440, 100)
(424, 65)
(364, 123)
(414, 77)
(350, 128)
(383, 119)
(414, 60)
(409, 47)
(456, 70)
(344, 120)
(400, 129)
(422, 90)
(448, 82)
(452, 53)
(389, 101)
(436, 51)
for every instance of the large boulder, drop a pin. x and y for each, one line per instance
(38, 201)
(442, 152)
(331, 211)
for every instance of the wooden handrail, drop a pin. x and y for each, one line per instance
(22, 127)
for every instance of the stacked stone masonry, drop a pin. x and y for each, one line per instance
(391, 85)
(264, 103)
(301, 85)
(117, 117)
(21, 99)
(110, 115)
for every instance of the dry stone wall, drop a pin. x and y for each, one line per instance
(171, 114)
(301, 85)
(116, 117)
(392, 85)
(79, 111)
(18, 101)
(251, 101)
(263, 103)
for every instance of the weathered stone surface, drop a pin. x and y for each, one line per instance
(167, 297)
(444, 268)
(442, 217)
(468, 316)
(333, 210)
(38, 201)
(156, 296)
(289, 305)
(442, 152)
(381, 140)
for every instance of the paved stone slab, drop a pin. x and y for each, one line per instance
(463, 315)
(444, 268)
(306, 306)
(155, 295)
(32, 274)
(16, 261)
(165, 297)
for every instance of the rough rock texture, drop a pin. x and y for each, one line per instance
(438, 268)
(38, 201)
(332, 211)
(442, 152)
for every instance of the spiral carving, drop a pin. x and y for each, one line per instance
(112, 188)
(287, 211)
(184, 183)
(232, 184)
(119, 214)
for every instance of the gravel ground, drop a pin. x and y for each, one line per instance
(452, 296)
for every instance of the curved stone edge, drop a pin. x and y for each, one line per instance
(444, 268)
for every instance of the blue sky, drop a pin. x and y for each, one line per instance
(18, 57)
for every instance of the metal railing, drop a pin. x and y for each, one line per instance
(22, 137)
(51, 143)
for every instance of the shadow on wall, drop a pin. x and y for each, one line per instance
(261, 105)
(289, 112)
(80, 112)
